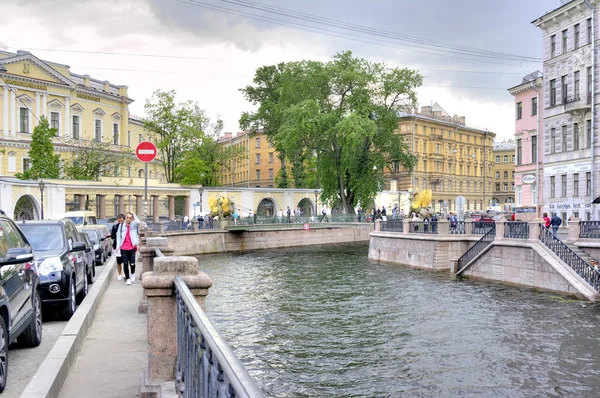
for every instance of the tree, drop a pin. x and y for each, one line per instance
(45, 163)
(177, 128)
(93, 159)
(342, 116)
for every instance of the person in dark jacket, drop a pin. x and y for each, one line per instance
(555, 222)
(113, 236)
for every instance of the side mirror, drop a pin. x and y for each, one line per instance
(78, 246)
(18, 255)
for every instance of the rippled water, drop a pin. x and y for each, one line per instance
(327, 322)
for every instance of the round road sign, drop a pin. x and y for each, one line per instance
(146, 151)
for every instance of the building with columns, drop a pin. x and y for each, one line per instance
(570, 142)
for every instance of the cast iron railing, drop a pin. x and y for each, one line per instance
(206, 365)
(392, 225)
(589, 229)
(423, 227)
(483, 227)
(477, 248)
(516, 230)
(569, 257)
(457, 228)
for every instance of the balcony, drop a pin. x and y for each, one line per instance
(578, 104)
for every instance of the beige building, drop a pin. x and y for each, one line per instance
(452, 159)
(504, 175)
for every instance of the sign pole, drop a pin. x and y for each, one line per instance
(145, 192)
(146, 152)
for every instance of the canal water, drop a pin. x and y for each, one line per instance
(326, 322)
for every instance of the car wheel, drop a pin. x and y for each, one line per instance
(69, 309)
(3, 354)
(84, 290)
(32, 336)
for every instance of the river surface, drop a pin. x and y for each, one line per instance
(326, 322)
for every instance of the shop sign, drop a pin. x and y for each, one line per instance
(35, 86)
(568, 169)
(529, 179)
(88, 97)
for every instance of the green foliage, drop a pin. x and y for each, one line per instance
(45, 163)
(94, 159)
(335, 120)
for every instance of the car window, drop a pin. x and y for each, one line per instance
(76, 220)
(13, 235)
(44, 237)
(92, 220)
(70, 234)
(92, 235)
(3, 241)
(87, 241)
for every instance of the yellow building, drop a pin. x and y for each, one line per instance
(258, 164)
(504, 175)
(452, 159)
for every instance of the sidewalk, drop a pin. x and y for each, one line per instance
(115, 349)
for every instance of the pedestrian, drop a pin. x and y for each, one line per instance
(200, 221)
(383, 213)
(127, 242)
(434, 221)
(555, 222)
(453, 221)
(359, 214)
(186, 221)
(280, 215)
(546, 220)
(415, 221)
(117, 253)
(289, 215)
(426, 224)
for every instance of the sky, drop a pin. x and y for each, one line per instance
(206, 50)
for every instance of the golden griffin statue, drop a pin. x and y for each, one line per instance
(420, 201)
(221, 206)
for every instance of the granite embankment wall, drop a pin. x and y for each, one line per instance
(205, 242)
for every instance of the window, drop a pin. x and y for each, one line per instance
(519, 195)
(552, 140)
(512, 186)
(505, 175)
(534, 106)
(519, 110)
(576, 184)
(116, 133)
(589, 31)
(553, 187)
(565, 35)
(257, 158)
(519, 151)
(576, 36)
(270, 157)
(534, 146)
(505, 187)
(258, 142)
(258, 174)
(588, 183)
(553, 46)
(98, 130)
(26, 164)
(564, 87)
(270, 174)
(55, 121)
(12, 162)
(576, 85)
(140, 138)
(563, 185)
(513, 158)
(24, 113)
(588, 133)
(505, 158)
(497, 159)
(564, 139)
(553, 92)
(575, 136)
(76, 127)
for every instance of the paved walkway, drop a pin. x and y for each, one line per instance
(115, 349)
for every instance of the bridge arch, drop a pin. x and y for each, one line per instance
(307, 207)
(267, 207)
(27, 208)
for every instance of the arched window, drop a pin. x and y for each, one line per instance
(150, 174)
(141, 173)
(12, 162)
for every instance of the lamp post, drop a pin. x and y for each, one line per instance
(316, 202)
(200, 191)
(42, 185)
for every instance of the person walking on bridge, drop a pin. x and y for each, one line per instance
(555, 222)
(128, 241)
(113, 236)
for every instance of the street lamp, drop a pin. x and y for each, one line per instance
(200, 191)
(316, 202)
(42, 185)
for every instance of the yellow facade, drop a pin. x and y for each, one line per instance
(504, 174)
(258, 164)
(452, 159)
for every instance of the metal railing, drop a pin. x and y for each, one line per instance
(589, 229)
(392, 225)
(477, 248)
(457, 228)
(483, 227)
(206, 365)
(516, 229)
(569, 257)
(423, 227)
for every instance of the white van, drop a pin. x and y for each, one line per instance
(82, 217)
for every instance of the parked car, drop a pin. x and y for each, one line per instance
(20, 299)
(105, 241)
(60, 253)
(95, 236)
(81, 217)
(90, 257)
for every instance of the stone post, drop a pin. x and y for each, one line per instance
(139, 205)
(443, 227)
(377, 225)
(101, 206)
(573, 229)
(161, 227)
(120, 204)
(534, 229)
(147, 252)
(171, 207)
(469, 227)
(159, 288)
(406, 226)
(454, 266)
(500, 229)
(82, 201)
(195, 225)
(155, 209)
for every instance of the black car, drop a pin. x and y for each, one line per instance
(90, 257)
(95, 237)
(20, 301)
(60, 253)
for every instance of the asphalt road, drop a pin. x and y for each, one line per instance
(24, 362)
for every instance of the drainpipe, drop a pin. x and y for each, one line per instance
(537, 148)
(412, 177)
(593, 100)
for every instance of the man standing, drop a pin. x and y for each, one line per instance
(113, 236)
(127, 242)
(555, 222)
(289, 215)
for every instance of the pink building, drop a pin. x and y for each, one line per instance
(529, 144)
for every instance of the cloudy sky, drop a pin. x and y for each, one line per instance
(207, 50)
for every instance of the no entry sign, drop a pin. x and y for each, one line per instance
(146, 151)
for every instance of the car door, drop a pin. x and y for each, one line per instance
(76, 257)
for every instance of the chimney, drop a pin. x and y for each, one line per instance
(123, 91)
(106, 86)
(86, 80)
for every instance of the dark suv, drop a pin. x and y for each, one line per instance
(60, 253)
(20, 303)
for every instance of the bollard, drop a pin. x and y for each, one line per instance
(454, 266)
(162, 315)
(443, 227)
(534, 229)
(499, 229)
(377, 225)
(195, 225)
(469, 227)
(148, 254)
(161, 227)
(573, 230)
(406, 226)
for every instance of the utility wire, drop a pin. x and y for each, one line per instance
(124, 54)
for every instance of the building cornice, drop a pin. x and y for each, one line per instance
(523, 87)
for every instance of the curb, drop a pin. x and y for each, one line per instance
(53, 371)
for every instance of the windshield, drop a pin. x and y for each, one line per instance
(44, 237)
(76, 220)
(92, 235)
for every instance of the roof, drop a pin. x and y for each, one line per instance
(446, 122)
(504, 145)
(526, 82)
